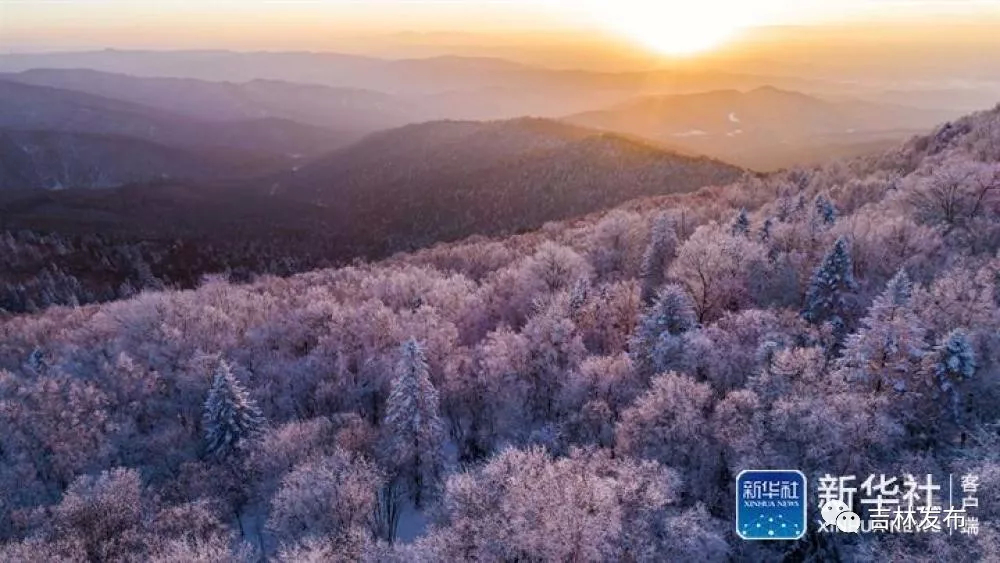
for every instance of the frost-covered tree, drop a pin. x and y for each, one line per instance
(741, 224)
(105, 512)
(555, 267)
(585, 506)
(670, 424)
(736, 425)
(956, 193)
(657, 339)
(56, 426)
(726, 352)
(36, 361)
(791, 370)
(487, 402)
(609, 379)
(954, 361)
(831, 288)
(415, 433)
(661, 249)
(231, 418)
(833, 429)
(519, 290)
(826, 211)
(886, 352)
(720, 270)
(331, 497)
(961, 297)
(197, 550)
(898, 292)
(555, 350)
(282, 447)
(615, 245)
(578, 295)
(956, 357)
(764, 235)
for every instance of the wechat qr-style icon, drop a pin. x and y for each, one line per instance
(837, 514)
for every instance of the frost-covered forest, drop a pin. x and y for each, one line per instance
(585, 392)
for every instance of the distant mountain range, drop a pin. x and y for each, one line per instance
(765, 128)
(41, 108)
(57, 138)
(443, 87)
(395, 190)
(446, 180)
(402, 77)
(190, 130)
(479, 87)
(341, 109)
(379, 95)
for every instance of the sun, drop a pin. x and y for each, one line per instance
(675, 28)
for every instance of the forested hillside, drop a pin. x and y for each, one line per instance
(440, 181)
(582, 392)
(54, 160)
(398, 190)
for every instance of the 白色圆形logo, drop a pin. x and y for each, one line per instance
(771, 504)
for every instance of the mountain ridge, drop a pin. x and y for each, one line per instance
(763, 128)
(479, 177)
(30, 107)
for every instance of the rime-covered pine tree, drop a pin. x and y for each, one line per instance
(956, 357)
(741, 224)
(954, 362)
(826, 211)
(888, 349)
(415, 432)
(897, 294)
(36, 361)
(231, 418)
(764, 234)
(785, 208)
(657, 337)
(800, 204)
(830, 288)
(578, 294)
(662, 245)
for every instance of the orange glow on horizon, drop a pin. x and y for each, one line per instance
(671, 28)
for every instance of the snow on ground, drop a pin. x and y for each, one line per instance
(253, 523)
(412, 523)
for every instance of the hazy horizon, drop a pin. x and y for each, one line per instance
(664, 33)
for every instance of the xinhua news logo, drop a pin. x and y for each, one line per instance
(771, 504)
(907, 504)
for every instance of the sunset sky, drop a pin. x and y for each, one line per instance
(666, 26)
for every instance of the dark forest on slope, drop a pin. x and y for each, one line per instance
(395, 191)
(585, 391)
